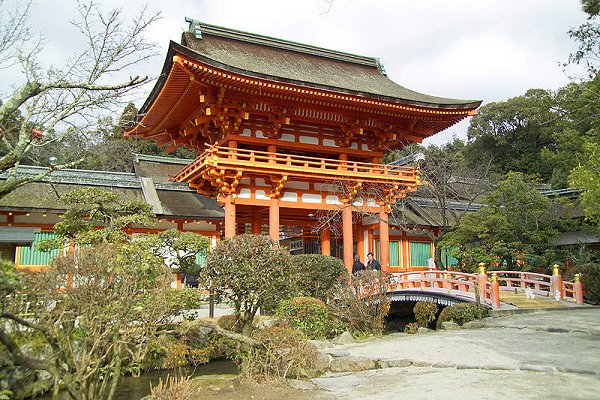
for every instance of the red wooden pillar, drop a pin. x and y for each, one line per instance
(274, 219)
(360, 242)
(384, 240)
(256, 222)
(325, 242)
(482, 281)
(578, 289)
(229, 217)
(347, 237)
(557, 282)
(495, 292)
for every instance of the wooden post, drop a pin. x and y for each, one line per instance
(360, 242)
(482, 281)
(578, 289)
(446, 284)
(274, 220)
(495, 292)
(325, 242)
(256, 222)
(557, 282)
(211, 304)
(347, 237)
(233, 145)
(229, 217)
(384, 240)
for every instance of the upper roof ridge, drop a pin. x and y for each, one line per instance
(199, 28)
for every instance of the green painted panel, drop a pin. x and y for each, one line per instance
(447, 259)
(31, 256)
(419, 253)
(394, 253)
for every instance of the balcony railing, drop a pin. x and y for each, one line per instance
(232, 160)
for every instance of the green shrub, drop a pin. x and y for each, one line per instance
(286, 354)
(229, 322)
(411, 328)
(425, 312)
(590, 279)
(460, 313)
(9, 278)
(249, 270)
(310, 316)
(317, 274)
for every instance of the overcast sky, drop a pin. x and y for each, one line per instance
(472, 49)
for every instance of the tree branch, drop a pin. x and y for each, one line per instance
(21, 358)
(11, 184)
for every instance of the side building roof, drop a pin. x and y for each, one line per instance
(168, 199)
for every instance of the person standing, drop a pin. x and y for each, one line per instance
(373, 264)
(358, 265)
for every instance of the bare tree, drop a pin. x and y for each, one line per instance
(54, 98)
(449, 188)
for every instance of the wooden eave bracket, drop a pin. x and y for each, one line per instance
(277, 183)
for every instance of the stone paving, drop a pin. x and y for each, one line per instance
(530, 356)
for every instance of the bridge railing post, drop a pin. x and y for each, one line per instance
(482, 280)
(495, 295)
(578, 289)
(446, 284)
(557, 282)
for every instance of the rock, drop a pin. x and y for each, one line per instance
(352, 364)
(497, 367)
(267, 323)
(322, 363)
(302, 385)
(402, 362)
(444, 364)
(450, 326)
(336, 353)
(477, 324)
(344, 338)
(537, 368)
(468, 366)
(422, 329)
(320, 344)
(420, 364)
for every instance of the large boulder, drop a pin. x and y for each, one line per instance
(450, 326)
(477, 324)
(352, 364)
(344, 338)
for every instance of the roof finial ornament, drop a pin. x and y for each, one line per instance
(194, 27)
(380, 66)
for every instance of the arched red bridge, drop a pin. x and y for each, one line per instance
(450, 287)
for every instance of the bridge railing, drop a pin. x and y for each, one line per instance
(510, 280)
(542, 284)
(489, 284)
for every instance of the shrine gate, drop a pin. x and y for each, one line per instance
(285, 130)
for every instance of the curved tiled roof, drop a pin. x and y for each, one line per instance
(258, 55)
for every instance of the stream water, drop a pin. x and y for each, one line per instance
(131, 388)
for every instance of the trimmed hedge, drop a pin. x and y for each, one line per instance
(317, 274)
(425, 312)
(310, 316)
(460, 313)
